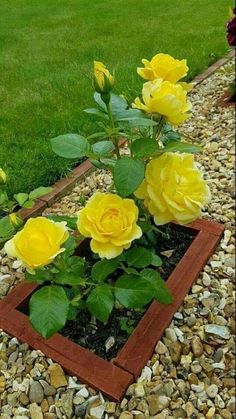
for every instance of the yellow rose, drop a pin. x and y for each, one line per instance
(173, 189)
(166, 99)
(38, 243)
(3, 177)
(165, 67)
(111, 223)
(103, 80)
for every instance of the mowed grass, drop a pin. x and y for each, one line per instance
(47, 52)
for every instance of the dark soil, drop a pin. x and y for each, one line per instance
(94, 335)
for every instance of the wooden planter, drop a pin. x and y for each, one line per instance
(113, 378)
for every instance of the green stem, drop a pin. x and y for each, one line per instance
(159, 127)
(113, 138)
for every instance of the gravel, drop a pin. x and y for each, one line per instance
(191, 373)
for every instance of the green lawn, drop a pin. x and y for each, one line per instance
(48, 47)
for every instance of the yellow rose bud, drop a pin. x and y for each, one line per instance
(165, 67)
(15, 220)
(166, 99)
(111, 222)
(103, 79)
(3, 177)
(174, 189)
(38, 243)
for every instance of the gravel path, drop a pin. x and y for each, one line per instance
(191, 374)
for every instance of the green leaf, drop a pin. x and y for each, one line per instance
(144, 147)
(109, 162)
(28, 204)
(36, 193)
(133, 291)
(138, 257)
(96, 112)
(40, 275)
(70, 146)
(72, 313)
(6, 229)
(71, 221)
(162, 293)
(103, 148)
(21, 198)
(156, 260)
(103, 268)
(170, 136)
(117, 103)
(69, 278)
(3, 197)
(49, 308)
(70, 246)
(100, 302)
(181, 147)
(128, 114)
(128, 175)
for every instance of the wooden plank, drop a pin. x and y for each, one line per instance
(91, 369)
(16, 297)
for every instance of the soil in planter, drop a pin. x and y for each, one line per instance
(107, 340)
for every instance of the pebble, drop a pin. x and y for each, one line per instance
(57, 376)
(212, 391)
(36, 394)
(197, 346)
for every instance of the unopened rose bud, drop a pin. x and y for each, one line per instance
(3, 177)
(15, 220)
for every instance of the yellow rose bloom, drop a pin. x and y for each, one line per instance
(165, 67)
(38, 243)
(111, 222)
(166, 99)
(103, 79)
(174, 189)
(3, 177)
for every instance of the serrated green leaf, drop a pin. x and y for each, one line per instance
(102, 148)
(144, 147)
(103, 268)
(38, 192)
(69, 278)
(162, 293)
(128, 175)
(49, 308)
(133, 291)
(138, 257)
(21, 198)
(70, 146)
(100, 302)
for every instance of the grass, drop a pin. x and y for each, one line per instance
(48, 47)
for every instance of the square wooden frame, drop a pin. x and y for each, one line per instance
(113, 378)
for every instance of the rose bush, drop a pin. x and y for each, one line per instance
(173, 189)
(154, 182)
(111, 222)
